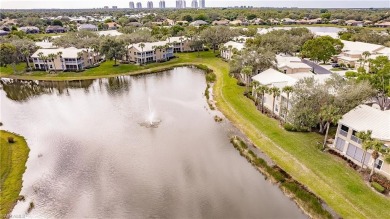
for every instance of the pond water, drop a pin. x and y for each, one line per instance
(90, 157)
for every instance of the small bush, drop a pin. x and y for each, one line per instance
(211, 77)
(11, 140)
(240, 83)
(291, 128)
(378, 187)
(381, 180)
(217, 119)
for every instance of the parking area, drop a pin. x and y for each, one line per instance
(318, 69)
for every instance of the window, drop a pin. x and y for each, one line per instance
(344, 130)
(378, 164)
(276, 108)
(357, 154)
(354, 138)
(340, 143)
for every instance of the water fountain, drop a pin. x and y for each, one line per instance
(150, 122)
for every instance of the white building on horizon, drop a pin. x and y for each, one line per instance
(181, 4)
(131, 5)
(139, 5)
(194, 4)
(162, 4)
(149, 4)
(202, 4)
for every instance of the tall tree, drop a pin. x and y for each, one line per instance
(321, 48)
(275, 93)
(262, 89)
(217, 35)
(247, 72)
(287, 90)
(330, 115)
(365, 138)
(112, 48)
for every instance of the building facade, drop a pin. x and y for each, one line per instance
(180, 4)
(363, 118)
(131, 5)
(139, 5)
(142, 53)
(194, 4)
(228, 49)
(162, 4)
(149, 4)
(202, 4)
(180, 44)
(64, 59)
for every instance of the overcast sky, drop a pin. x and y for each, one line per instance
(29, 4)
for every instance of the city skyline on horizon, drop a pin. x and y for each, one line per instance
(90, 4)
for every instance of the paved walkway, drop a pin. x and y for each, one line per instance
(317, 68)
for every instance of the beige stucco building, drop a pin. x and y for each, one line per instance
(141, 53)
(363, 118)
(65, 59)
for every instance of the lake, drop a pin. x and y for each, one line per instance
(92, 157)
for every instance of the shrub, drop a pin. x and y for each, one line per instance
(381, 180)
(378, 187)
(240, 83)
(211, 77)
(291, 128)
(11, 140)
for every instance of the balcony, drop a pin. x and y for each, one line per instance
(356, 139)
(343, 133)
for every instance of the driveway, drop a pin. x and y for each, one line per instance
(317, 68)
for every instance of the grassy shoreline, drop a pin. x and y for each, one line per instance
(13, 164)
(296, 153)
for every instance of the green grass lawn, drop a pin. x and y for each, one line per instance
(327, 176)
(330, 178)
(12, 166)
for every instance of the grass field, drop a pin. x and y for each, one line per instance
(12, 166)
(328, 177)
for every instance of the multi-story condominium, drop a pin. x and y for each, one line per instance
(131, 5)
(180, 4)
(149, 4)
(114, 7)
(139, 5)
(162, 4)
(180, 44)
(363, 118)
(229, 48)
(106, 7)
(202, 4)
(290, 71)
(64, 59)
(194, 4)
(141, 53)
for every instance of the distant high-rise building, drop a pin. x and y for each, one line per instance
(162, 4)
(131, 5)
(114, 7)
(202, 3)
(194, 4)
(139, 5)
(180, 4)
(149, 4)
(106, 7)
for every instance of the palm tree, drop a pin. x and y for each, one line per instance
(26, 54)
(247, 71)
(262, 89)
(81, 55)
(275, 93)
(329, 114)
(377, 148)
(44, 59)
(255, 84)
(288, 90)
(181, 44)
(142, 45)
(365, 54)
(365, 138)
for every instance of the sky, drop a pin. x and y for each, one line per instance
(70, 4)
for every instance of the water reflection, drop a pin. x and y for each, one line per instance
(97, 161)
(24, 90)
